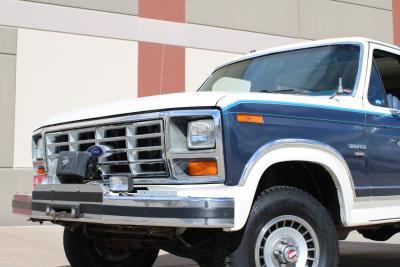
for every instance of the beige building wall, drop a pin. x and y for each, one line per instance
(129, 7)
(200, 63)
(255, 16)
(58, 72)
(8, 46)
(11, 180)
(306, 19)
(321, 19)
(383, 4)
(14, 180)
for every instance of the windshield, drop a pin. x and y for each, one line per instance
(312, 71)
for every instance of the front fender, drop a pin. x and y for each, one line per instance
(293, 150)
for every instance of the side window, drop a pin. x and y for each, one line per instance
(388, 67)
(376, 92)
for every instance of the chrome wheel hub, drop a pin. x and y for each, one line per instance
(286, 253)
(287, 241)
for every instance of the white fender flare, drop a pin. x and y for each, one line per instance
(293, 150)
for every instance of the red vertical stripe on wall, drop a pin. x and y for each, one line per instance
(172, 10)
(161, 67)
(173, 71)
(149, 71)
(396, 21)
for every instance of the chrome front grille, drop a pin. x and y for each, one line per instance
(135, 149)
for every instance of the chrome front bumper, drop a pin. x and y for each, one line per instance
(91, 204)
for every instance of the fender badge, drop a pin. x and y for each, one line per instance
(357, 146)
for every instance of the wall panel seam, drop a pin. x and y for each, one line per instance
(7, 54)
(137, 28)
(162, 42)
(358, 4)
(248, 31)
(85, 8)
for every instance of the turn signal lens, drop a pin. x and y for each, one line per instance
(202, 168)
(38, 179)
(252, 118)
(41, 171)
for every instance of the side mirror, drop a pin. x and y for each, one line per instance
(395, 112)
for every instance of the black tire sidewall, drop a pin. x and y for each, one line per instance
(290, 201)
(80, 252)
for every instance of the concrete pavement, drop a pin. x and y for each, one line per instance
(34, 246)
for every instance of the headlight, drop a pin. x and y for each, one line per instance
(37, 149)
(201, 134)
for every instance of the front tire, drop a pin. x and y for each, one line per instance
(285, 226)
(84, 252)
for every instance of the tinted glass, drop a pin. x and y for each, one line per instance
(376, 92)
(312, 71)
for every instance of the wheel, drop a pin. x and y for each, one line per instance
(286, 227)
(84, 252)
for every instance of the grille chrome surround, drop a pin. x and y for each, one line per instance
(172, 152)
(135, 149)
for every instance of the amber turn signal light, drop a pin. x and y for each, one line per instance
(252, 118)
(40, 171)
(202, 168)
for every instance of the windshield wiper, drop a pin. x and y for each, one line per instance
(283, 91)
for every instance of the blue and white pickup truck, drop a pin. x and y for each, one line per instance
(278, 155)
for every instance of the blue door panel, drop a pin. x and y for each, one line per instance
(384, 154)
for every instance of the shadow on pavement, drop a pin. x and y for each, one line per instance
(169, 260)
(360, 254)
(353, 254)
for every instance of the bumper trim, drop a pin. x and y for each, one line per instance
(22, 204)
(68, 196)
(149, 212)
(201, 212)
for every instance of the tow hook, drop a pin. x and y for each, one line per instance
(55, 211)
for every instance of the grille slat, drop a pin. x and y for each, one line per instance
(71, 143)
(124, 162)
(137, 147)
(142, 136)
(149, 148)
(104, 140)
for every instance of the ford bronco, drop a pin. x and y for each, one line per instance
(277, 156)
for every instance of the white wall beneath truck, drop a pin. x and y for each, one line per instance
(57, 72)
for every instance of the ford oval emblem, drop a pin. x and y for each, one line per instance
(96, 151)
